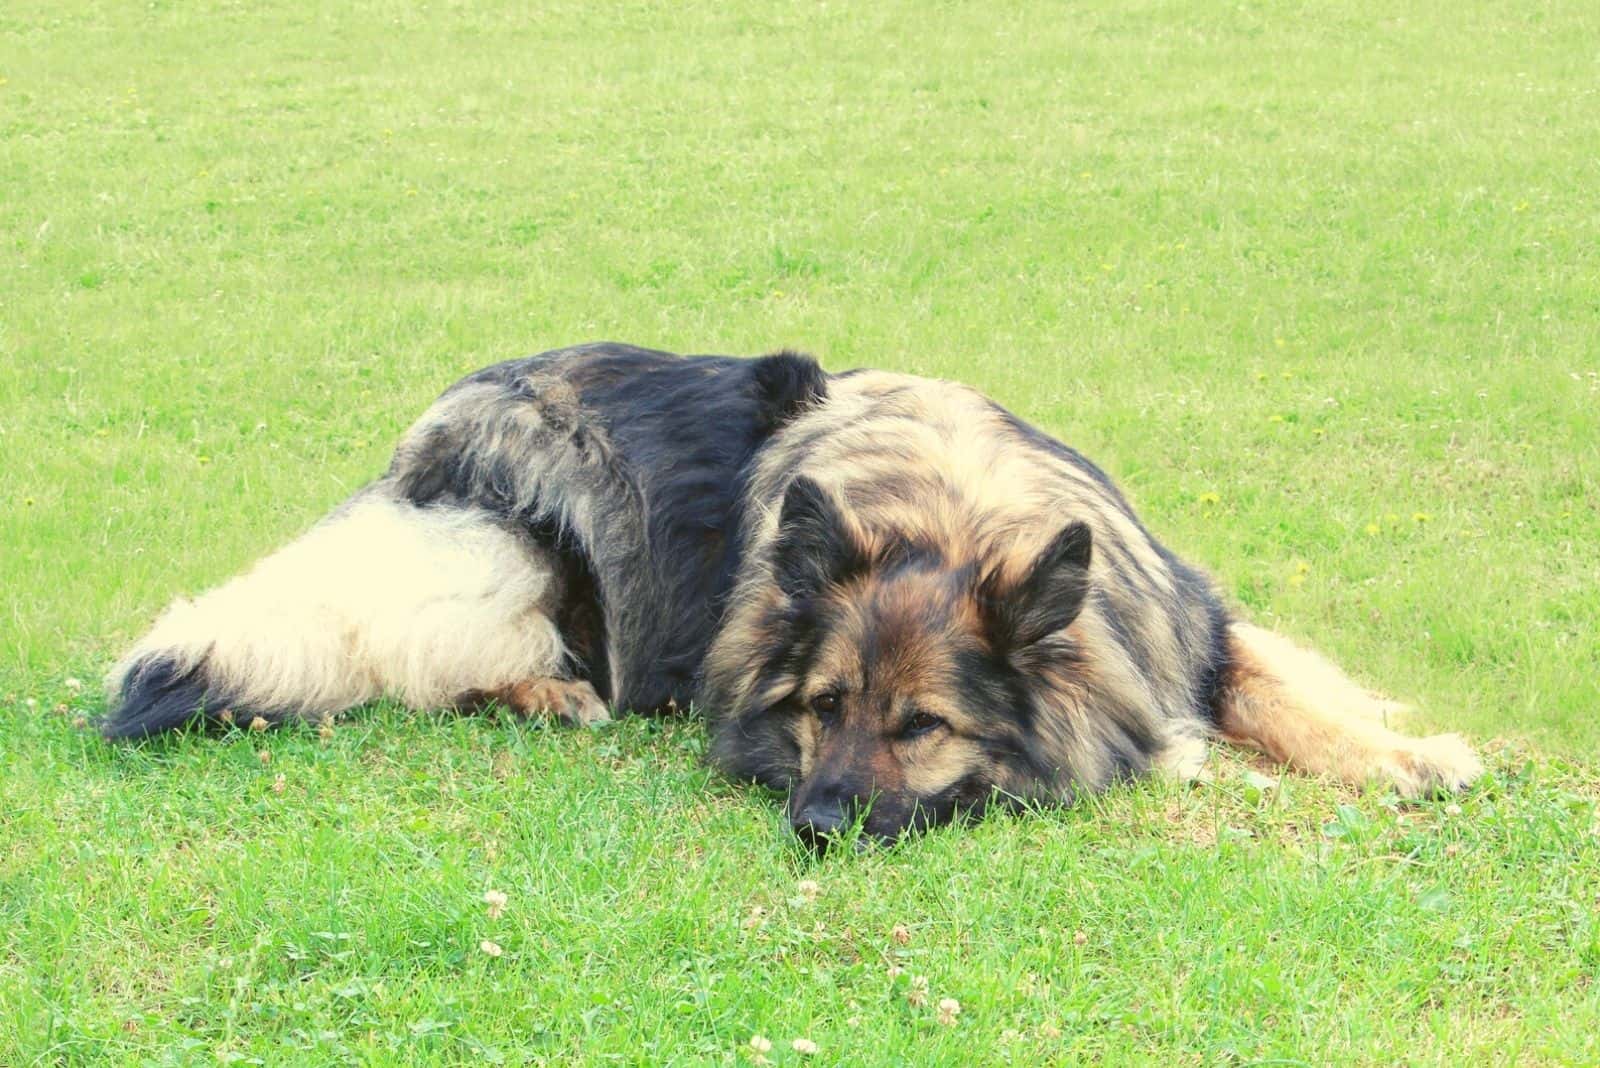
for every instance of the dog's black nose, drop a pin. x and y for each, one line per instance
(818, 824)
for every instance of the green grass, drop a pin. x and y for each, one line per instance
(1317, 283)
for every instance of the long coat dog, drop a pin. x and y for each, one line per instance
(892, 599)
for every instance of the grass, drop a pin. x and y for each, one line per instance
(1316, 282)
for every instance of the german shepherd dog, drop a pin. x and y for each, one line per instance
(894, 601)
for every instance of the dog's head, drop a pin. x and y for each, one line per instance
(898, 682)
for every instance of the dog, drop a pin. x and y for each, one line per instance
(894, 601)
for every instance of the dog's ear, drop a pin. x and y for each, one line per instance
(814, 546)
(786, 383)
(1049, 596)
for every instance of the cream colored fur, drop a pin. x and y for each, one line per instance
(381, 599)
(1300, 709)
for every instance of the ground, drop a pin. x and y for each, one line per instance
(1317, 283)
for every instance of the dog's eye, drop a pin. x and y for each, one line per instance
(922, 723)
(825, 705)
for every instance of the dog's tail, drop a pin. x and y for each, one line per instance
(381, 598)
(1302, 710)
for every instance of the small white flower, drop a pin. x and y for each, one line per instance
(809, 889)
(949, 1009)
(804, 1046)
(761, 1044)
(491, 948)
(73, 684)
(496, 902)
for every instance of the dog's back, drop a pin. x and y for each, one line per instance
(561, 517)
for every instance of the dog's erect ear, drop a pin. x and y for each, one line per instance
(786, 383)
(1049, 596)
(814, 548)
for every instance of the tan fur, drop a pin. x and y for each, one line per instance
(573, 701)
(927, 766)
(964, 485)
(1301, 710)
(999, 620)
(914, 671)
(934, 462)
(808, 737)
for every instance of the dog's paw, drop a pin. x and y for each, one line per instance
(585, 709)
(1444, 763)
(1184, 759)
(573, 701)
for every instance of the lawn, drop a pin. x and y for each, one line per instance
(1320, 284)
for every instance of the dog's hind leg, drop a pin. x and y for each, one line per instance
(1303, 711)
(383, 598)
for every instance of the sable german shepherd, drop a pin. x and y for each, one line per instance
(893, 599)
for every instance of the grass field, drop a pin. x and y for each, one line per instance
(1319, 283)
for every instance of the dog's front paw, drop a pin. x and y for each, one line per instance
(1444, 763)
(1184, 759)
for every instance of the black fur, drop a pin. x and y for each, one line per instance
(813, 547)
(686, 429)
(786, 382)
(579, 616)
(664, 442)
(882, 646)
(157, 697)
(1048, 598)
(1190, 585)
(632, 468)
